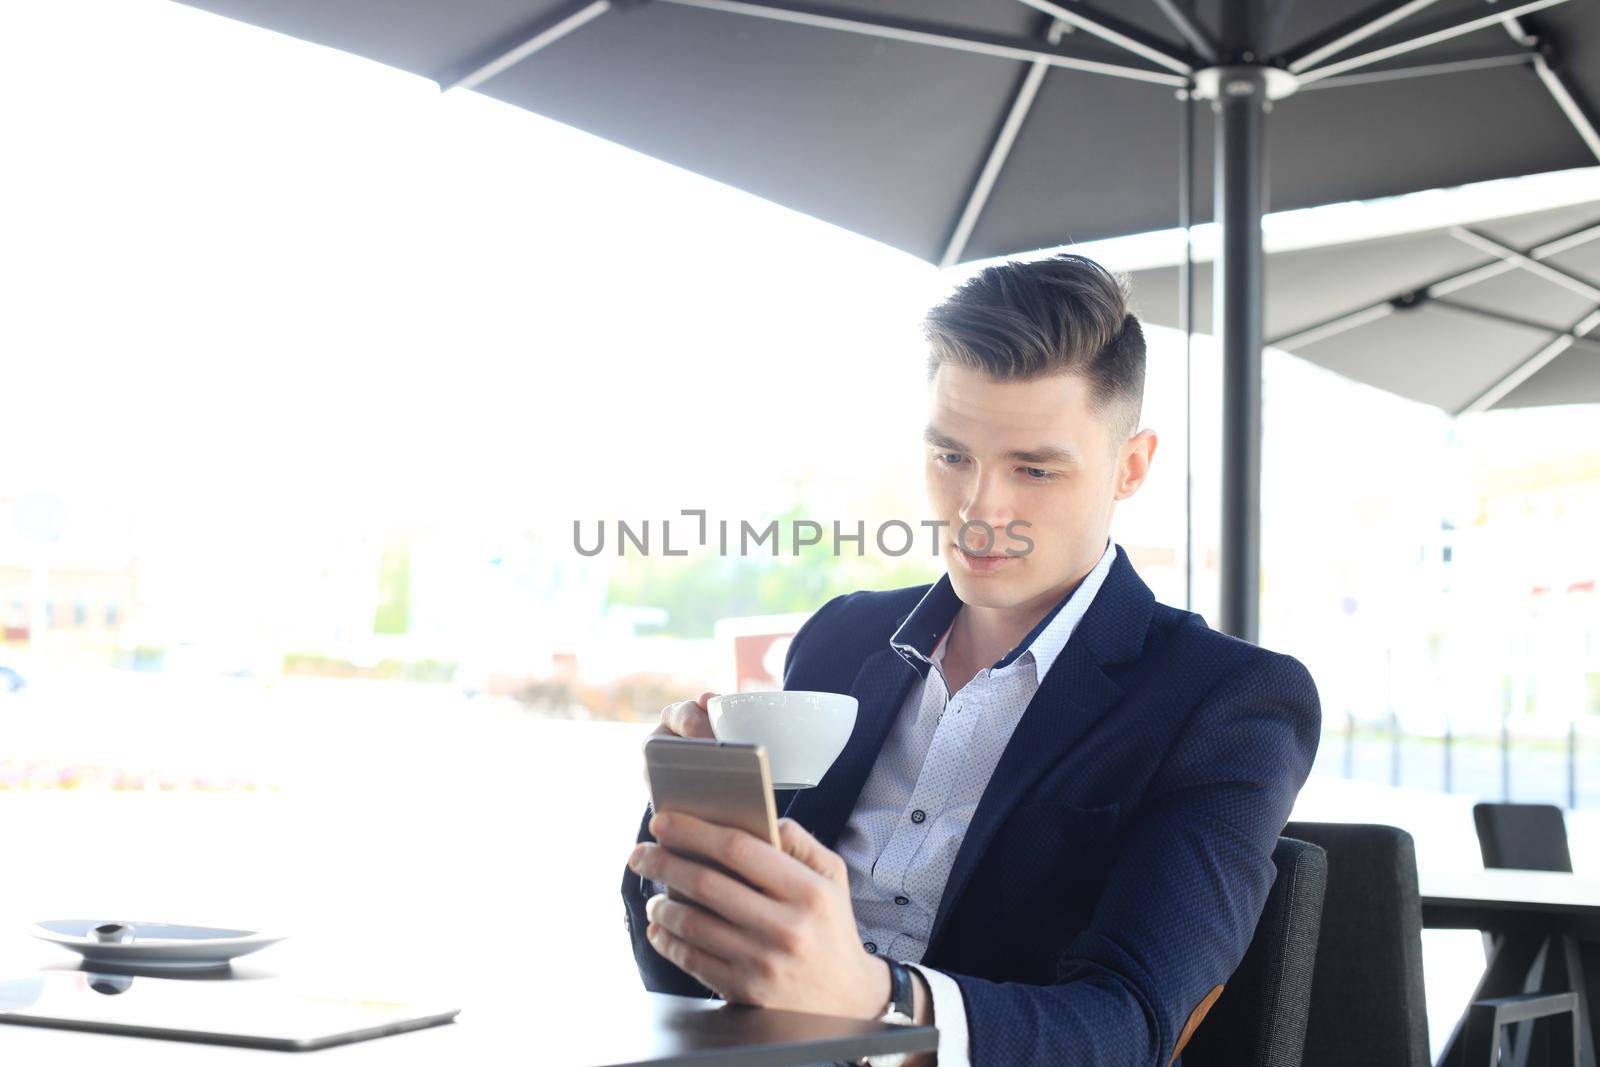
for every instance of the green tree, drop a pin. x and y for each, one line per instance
(393, 615)
(698, 589)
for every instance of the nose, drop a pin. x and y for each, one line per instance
(988, 502)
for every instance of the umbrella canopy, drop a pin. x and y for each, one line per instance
(964, 129)
(1499, 313)
(956, 129)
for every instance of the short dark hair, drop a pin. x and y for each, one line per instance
(1063, 315)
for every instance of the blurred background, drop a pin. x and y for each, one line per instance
(311, 381)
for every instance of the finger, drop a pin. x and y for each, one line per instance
(733, 900)
(798, 842)
(659, 731)
(668, 711)
(704, 929)
(688, 718)
(666, 721)
(713, 973)
(742, 853)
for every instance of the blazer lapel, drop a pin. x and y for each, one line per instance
(1076, 694)
(879, 688)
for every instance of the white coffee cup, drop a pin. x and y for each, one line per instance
(803, 732)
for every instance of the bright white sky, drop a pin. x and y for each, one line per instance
(243, 268)
(256, 289)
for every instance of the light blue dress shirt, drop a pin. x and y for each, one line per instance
(917, 802)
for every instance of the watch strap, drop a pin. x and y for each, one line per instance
(902, 1009)
(902, 991)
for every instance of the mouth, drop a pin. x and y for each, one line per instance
(984, 564)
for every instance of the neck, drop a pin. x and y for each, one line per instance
(983, 635)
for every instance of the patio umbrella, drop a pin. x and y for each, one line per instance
(1497, 313)
(964, 129)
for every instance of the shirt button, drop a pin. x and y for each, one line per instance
(902, 900)
(918, 815)
(870, 946)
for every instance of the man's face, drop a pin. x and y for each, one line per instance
(1034, 452)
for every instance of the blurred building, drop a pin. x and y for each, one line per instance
(70, 584)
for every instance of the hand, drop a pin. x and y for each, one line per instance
(790, 942)
(686, 718)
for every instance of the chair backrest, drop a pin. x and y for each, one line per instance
(1367, 1002)
(1528, 837)
(1260, 1018)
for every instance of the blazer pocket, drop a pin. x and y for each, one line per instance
(1051, 865)
(1061, 842)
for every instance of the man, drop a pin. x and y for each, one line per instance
(1058, 807)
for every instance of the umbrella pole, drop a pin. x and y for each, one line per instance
(1186, 322)
(1239, 93)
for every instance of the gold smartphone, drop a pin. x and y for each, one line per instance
(725, 782)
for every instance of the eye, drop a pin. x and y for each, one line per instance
(948, 458)
(1037, 474)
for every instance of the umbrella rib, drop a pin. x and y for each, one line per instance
(1508, 320)
(524, 43)
(1554, 247)
(1191, 29)
(1353, 30)
(1454, 66)
(1510, 255)
(1567, 242)
(1021, 104)
(1332, 327)
(1440, 31)
(1582, 121)
(1533, 364)
(1349, 320)
(1111, 31)
(928, 33)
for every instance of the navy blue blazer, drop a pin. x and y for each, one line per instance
(1116, 866)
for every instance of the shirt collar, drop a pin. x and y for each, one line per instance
(1051, 635)
(922, 631)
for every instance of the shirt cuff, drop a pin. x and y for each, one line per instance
(949, 1015)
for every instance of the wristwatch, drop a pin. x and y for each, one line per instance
(902, 1011)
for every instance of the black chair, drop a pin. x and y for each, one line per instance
(1260, 1018)
(1367, 1001)
(1526, 837)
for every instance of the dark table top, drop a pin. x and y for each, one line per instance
(1503, 899)
(502, 1019)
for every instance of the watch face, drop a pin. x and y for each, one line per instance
(891, 1059)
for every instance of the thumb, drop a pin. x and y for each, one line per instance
(798, 842)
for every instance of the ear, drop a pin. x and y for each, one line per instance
(1133, 463)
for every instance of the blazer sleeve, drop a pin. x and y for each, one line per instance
(660, 975)
(1184, 893)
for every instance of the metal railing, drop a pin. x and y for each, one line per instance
(1500, 766)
